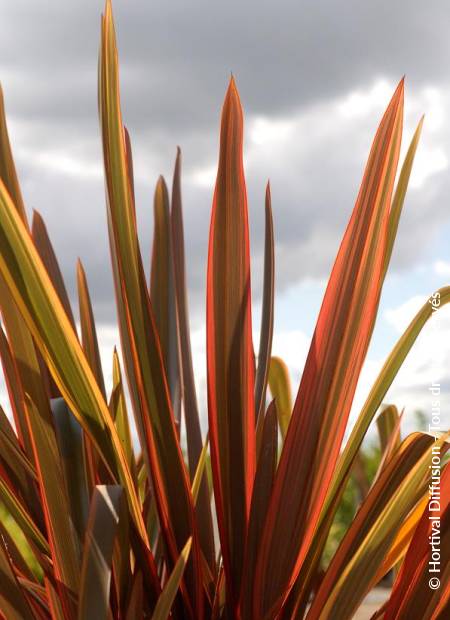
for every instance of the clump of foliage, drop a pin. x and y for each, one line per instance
(125, 533)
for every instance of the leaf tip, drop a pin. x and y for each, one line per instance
(420, 124)
(232, 96)
(81, 275)
(161, 192)
(36, 221)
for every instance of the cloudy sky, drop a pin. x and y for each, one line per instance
(314, 79)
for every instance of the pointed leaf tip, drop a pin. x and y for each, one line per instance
(399, 91)
(232, 95)
(36, 215)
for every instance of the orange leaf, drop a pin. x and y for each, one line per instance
(338, 348)
(230, 359)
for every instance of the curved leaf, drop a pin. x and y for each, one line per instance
(13, 603)
(328, 383)
(45, 317)
(280, 388)
(140, 342)
(165, 601)
(412, 596)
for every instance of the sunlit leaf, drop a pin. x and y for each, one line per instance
(280, 388)
(230, 359)
(13, 603)
(165, 601)
(47, 321)
(369, 538)
(338, 348)
(140, 342)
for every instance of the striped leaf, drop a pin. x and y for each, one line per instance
(162, 293)
(338, 348)
(45, 317)
(267, 315)
(189, 396)
(230, 361)
(140, 342)
(165, 601)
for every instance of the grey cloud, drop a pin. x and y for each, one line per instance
(289, 58)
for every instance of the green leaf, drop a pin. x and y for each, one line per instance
(13, 603)
(165, 601)
(280, 388)
(379, 390)
(353, 569)
(119, 413)
(44, 315)
(196, 483)
(140, 342)
(21, 516)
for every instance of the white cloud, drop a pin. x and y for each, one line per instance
(442, 268)
(428, 361)
(401, 316)
(365, 102)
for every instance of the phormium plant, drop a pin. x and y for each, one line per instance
(105, 529)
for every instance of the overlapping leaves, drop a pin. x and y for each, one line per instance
(116, 527)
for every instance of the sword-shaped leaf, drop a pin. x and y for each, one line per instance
(262, 489)
(140, 342)
(98, 549)
(165, 601)
(46, 252)
(266, 334)
(413, 595)
(119, 412)
(45, 317)
(89, 338)
(13, 602)
(162, 293)
(353, 569)
(280, 388)
(328, 383)
(189, 396)
(230, 358)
